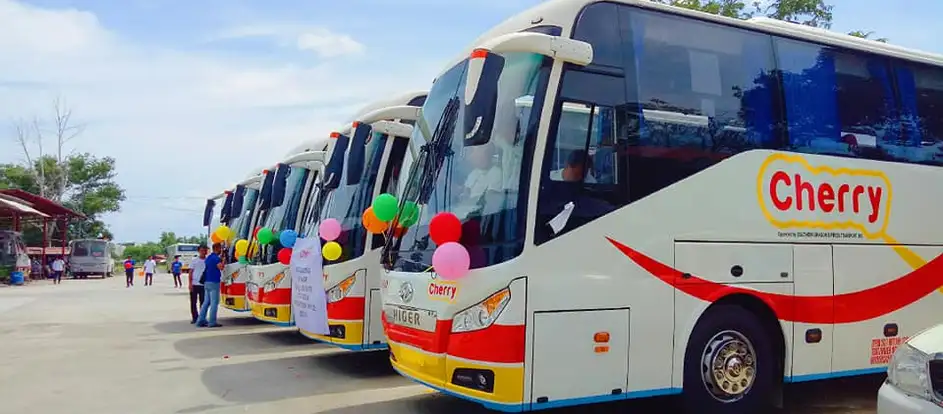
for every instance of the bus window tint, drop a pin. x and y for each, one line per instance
(97, 249)
(80, 248)
(920, 91)
(837, 103)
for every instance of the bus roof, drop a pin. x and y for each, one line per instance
(563, 13)
(317, 144)
(397, 100)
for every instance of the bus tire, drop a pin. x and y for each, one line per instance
(734, 341)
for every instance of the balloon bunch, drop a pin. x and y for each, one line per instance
(450, 260)
(384, 213)
(287, 239)
(242, 248)
(330, 230)
(221, 234)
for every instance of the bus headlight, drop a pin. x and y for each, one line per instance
(908, 371)
(482, 314)
(340, 290)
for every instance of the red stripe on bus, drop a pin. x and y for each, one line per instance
(497, 343)
(276, 297)
(842, 308)
(350, 309)
(235, 289)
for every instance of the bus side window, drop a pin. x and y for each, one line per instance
(839, 103)
(921, 102)
(698, 92)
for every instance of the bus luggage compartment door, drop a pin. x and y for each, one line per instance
(594, 342)
(731, 263)
(374, 334)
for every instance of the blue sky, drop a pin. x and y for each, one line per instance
(189, 96)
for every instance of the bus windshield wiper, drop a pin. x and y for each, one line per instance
(439, 149)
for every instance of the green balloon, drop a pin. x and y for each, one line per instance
(243, 260)
(265, 236)
(409, 214)
(385, 206)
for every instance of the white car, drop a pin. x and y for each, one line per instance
(914, 382)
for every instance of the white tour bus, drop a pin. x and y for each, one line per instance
(91, 257)
(648, 252)
(281, 201)
(241, 215)
(377, 154)
(186, 251)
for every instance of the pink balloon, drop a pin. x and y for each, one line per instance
(330, 229)
(451, 261)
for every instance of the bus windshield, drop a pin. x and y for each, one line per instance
(479, 184)
(347, 203)
(241, 225)
(89, 248)
(283, 216)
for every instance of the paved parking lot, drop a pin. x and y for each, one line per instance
(95, 346)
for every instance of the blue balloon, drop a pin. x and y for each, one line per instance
(287, 238)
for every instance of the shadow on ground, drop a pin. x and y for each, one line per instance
(184, 326)
(243, 343)
(255, 382)
(846, 396)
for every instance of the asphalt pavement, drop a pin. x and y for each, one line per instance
(92, 345)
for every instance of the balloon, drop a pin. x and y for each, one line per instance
(242, 246)
(243, 260)
(287, 238)
(372, 223)
(329, 229)
(384, 206)
(215, 238)
(284, 255)
(445, 228)
(409, 214)
(223, 232)
(451, 261)
(331, 250)
(265, 235)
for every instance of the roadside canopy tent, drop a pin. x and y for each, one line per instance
(18, 207)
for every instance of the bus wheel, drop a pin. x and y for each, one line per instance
(729, 364)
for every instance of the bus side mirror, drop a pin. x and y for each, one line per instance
(278, 184)
(237, 198)
(265, 193)
(481, 96)
(355, 156)
(335, 166)
(225, 213)
(208, 212)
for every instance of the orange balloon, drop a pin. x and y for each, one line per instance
(372, 223)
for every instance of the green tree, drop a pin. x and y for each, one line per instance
(167, 238)
(815, 13)
(141, 252)
(80, 181)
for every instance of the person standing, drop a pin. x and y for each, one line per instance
(197, 267)
(58, 268)
(175, 267)
(212, 275)
(129, 271)
(150, 266)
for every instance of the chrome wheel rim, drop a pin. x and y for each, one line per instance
(728, 366)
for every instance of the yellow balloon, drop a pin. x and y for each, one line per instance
(242, 246)
(223, 232)
(331, 250)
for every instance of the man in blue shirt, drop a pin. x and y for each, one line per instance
(175, 267)
(212, 275)
(129, 271)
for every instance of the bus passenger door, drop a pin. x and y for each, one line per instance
(812, 345)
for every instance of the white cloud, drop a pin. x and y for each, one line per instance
(179, 122)
(322, 41)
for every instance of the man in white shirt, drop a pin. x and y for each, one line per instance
(197, 267)
(150, 266)
(58, 268)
